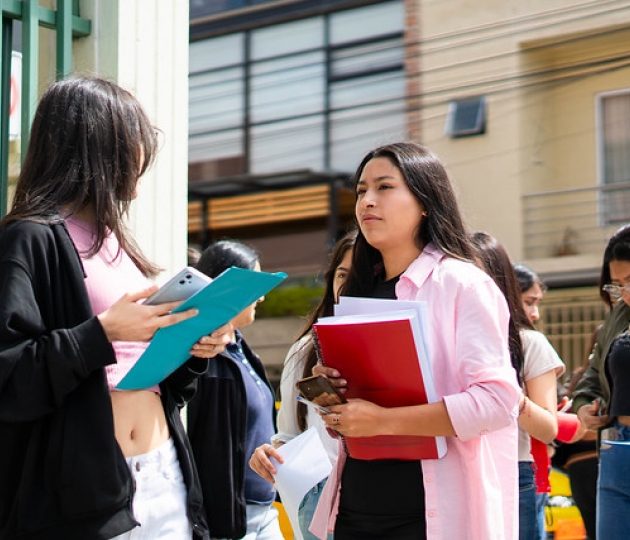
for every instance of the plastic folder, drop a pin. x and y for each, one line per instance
(218, 302)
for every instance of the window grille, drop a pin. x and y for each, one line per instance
(568, 317)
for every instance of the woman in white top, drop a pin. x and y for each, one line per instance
(538, 366)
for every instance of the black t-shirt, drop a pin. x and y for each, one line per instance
(618, 374)
(381, 498)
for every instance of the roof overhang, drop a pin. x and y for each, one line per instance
(243, 184)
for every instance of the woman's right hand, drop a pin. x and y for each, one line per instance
(261, 464)
(332, 374)
(129, 320)
(590, 418)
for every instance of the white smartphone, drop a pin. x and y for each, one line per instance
(180, 287)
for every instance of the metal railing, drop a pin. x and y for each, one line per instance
(568, 318)
(574, 221)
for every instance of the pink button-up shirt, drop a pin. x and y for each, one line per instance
(472, 492)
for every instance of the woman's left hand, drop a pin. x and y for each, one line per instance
(215, 343)
(357, 418)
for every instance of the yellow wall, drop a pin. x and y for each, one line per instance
(524, 57)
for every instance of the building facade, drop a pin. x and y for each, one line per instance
(527, 103)
(285, 98)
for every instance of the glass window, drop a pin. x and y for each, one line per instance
(355, 132)
(216, 100)
(614, 135)
(466, 117)
(288, 87)
(370, 89)
(292, 144)
(287, 38)
(366, 22)
(387, 54)
(216, 53)
(299, 92)
(30, 68)
(217, 145)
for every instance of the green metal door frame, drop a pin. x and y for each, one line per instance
(68, 24)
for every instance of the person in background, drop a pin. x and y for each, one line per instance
(539, 366)
(232, 413)
(602, 398)
(412, 245)
(80, 459)
(294, 417)
(570, 429)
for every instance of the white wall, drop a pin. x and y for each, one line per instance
(143, 45)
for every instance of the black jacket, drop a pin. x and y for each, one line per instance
(62, 473)
(217, 423)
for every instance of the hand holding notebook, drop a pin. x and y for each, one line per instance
(218, 302)
(383, 357)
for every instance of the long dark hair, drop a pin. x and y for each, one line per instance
(323, 309)
(443, 225)
(495, 260)
(617, 249)
(223, 254)
(90, 142)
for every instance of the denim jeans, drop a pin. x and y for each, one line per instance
(307, 509)
(541, 517)
(527, 520)
(159, 502)
(262, 523)
(613, 488)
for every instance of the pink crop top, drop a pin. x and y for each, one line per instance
(108, 278)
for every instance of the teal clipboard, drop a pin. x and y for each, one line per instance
(218, 302)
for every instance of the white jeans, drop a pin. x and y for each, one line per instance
(262, 523)
(159, 503)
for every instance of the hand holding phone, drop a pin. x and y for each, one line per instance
(320, 391)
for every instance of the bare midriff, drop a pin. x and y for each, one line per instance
(139, 421)
(624, 420)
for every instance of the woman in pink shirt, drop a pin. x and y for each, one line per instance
(412, 245)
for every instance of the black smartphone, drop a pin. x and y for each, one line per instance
(319, 390)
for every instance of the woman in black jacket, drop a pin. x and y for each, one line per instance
(232, 413)
(77, 457)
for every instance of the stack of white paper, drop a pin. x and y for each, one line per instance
(306, 463)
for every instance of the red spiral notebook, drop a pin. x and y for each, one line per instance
(380, 356)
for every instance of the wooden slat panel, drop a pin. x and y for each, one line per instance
(261, 208)
(194, 216)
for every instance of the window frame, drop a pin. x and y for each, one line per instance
(68, 24)
(329, 80)
(603, 185)
(479, 128)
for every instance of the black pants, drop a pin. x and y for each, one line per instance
(381, 499)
